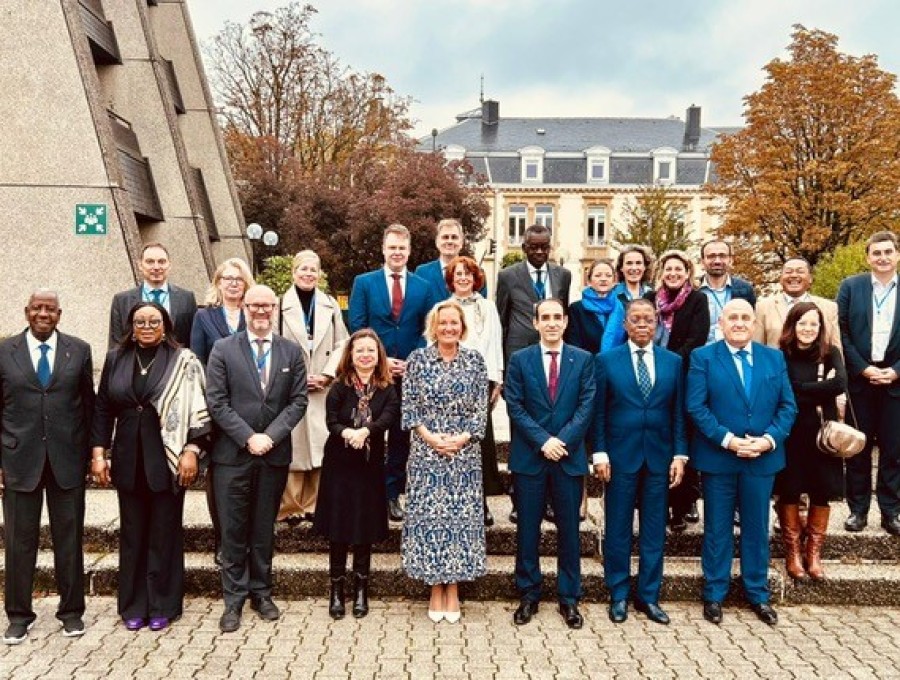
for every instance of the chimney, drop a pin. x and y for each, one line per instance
(490, 112)
(692, 129)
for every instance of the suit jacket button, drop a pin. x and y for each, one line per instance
(139, 409)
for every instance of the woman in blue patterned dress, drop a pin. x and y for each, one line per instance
(445, 395)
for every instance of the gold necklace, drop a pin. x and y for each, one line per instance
(144, 369)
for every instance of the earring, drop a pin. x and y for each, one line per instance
(164, 336)
(134, 337)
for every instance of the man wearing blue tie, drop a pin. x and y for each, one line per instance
(740, 400)
(549, 394)
(393, 302)
(639, 444)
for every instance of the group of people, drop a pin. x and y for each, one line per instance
(667, 390)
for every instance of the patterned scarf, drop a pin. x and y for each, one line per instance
(666, 306)
(362, 414)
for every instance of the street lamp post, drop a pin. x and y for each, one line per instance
(255, 233)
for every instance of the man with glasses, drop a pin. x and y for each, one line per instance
(178, 302)
(719, 286)
(256, 392)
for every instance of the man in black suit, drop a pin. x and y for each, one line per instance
(46, 405)
(870, 333)
(178, 302)
(256, 393)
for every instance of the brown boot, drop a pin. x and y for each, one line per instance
(816, 528)
(789, 518)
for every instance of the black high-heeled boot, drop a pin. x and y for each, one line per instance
(360, 595)
(336, 600)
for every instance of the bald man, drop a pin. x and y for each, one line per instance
(740, 400)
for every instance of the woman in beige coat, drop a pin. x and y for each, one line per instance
(313, 320)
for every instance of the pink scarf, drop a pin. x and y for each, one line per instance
(666, 308)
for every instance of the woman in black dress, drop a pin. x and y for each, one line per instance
(352, 505)
(683, 326)
(808, 470)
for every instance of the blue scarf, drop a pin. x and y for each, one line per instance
(610, 312)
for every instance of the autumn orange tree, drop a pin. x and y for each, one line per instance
(817, 164)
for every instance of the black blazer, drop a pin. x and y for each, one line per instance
(183, 306)
(209, 326)
(238, 405)
(584, 329)
(37, 423)
(134, 420)
(690, 327)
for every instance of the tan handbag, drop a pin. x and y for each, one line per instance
(836, 438)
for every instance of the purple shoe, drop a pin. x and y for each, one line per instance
(135, 624)
(158, 623)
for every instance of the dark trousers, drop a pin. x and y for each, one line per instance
(337, 559)
(878, 415)
(22, 524)
(151, 552)
(565, 495)
(650, 490)
(247, 499)
(683, 496)
(397, 455)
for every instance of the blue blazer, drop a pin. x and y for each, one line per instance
(434, 274)
(717, 404)
(209, 326)
(370, 307)
(633, 431)
(855, 316)
(534, 419)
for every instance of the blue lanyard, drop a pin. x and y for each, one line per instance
(231, 330)
(726, 294)
(308, 317)
(880, 303)
(261, 360)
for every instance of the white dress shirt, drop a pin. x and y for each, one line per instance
(389, 280)
(740, 369)
(34, 349)
(545, 278)
(884, 306)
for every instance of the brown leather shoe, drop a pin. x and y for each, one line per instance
(789, 518)
(816, 528)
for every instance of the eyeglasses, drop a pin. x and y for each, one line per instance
(147, 323)
(231, 279)
(260, 306)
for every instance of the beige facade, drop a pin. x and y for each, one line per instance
(106, 103)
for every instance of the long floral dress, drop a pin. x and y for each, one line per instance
(443, 535)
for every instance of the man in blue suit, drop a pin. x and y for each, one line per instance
(740, 400)
(639, 443)
(549, 394)
(870, 333)
(449, 240)
(393, 302)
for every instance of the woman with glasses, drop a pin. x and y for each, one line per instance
(222, 316)
(313, 320)
(151, 411)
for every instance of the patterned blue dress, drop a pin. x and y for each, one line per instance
(443, 535)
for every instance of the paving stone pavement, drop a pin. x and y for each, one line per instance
(397, 641)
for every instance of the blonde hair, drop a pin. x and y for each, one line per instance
(302, 256)
(213, 294)
(431, 321)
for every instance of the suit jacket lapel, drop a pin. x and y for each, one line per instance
(23, 359)
(383, 290)
(244, 348)
(218, 320)
(537, 369)
(323, 313)
(555, 276)
(728, 365)
(527, 283)
(61, 360)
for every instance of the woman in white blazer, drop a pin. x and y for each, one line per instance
(313, 320)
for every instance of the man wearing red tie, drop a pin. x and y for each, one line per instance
(549, 394)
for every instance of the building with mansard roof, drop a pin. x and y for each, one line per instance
(110, 141)
(578, 175)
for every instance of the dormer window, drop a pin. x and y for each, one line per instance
(532, 165)
(597, 165)
(664, 165)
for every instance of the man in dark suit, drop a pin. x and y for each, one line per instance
(740, 400)
(870, 333)
(520, 286)
(46, 405)
(719, 286)
(178, 302)
(549, 393)
(256, 392)
(394, 303)
(640, 447)
(449, 240)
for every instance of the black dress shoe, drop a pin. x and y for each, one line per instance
(692, 516)
(653, 611)
(267, 610)
(856, 522)
(549, 515)
(712, 612)
(395, 511)
(891, 525)
(514, 516)
(677, 523)
(618, 611)
(571, 615)
(231, 620)
(765, 613)
(523, 614)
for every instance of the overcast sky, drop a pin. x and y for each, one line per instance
(648, 58)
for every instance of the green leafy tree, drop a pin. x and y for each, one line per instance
(276, 273)
(655, 219)
(511, 258)
(835, 267)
